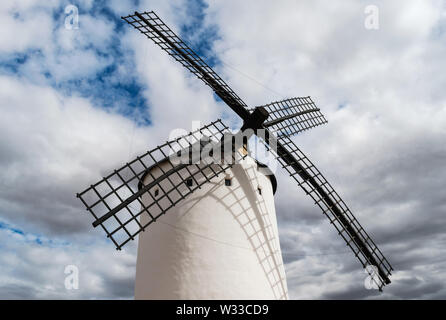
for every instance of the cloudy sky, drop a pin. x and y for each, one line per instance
(76, 103)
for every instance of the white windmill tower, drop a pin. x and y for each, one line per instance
(210, 226)
(221, 242)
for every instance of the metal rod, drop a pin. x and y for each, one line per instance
(294, 115)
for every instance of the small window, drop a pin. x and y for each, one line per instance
(259, 190)
(228, 182)
(157, 192)
(189, 182)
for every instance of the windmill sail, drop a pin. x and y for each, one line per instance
(314, 184)
(115, 201)
(149, 24)
(291, 116)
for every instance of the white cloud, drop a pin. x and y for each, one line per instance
(34, 271)
(25, 25)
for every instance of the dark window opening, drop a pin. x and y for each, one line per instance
(157, 192)
(189, 182)
(259, 190)
(228, 182)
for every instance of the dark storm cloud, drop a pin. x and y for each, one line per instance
(18, 292)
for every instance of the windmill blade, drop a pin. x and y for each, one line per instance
(149, 24)
(116, 202)
(311, 180)
(291, 116)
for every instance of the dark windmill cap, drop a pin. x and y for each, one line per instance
(199, 145)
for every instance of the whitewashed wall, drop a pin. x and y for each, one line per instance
(219, 243)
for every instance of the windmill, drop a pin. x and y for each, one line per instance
(184, 180)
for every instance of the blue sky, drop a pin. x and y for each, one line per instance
(105, 87)
(99, 86)
(78, 103)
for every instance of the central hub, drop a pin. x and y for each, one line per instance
(256, 119)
